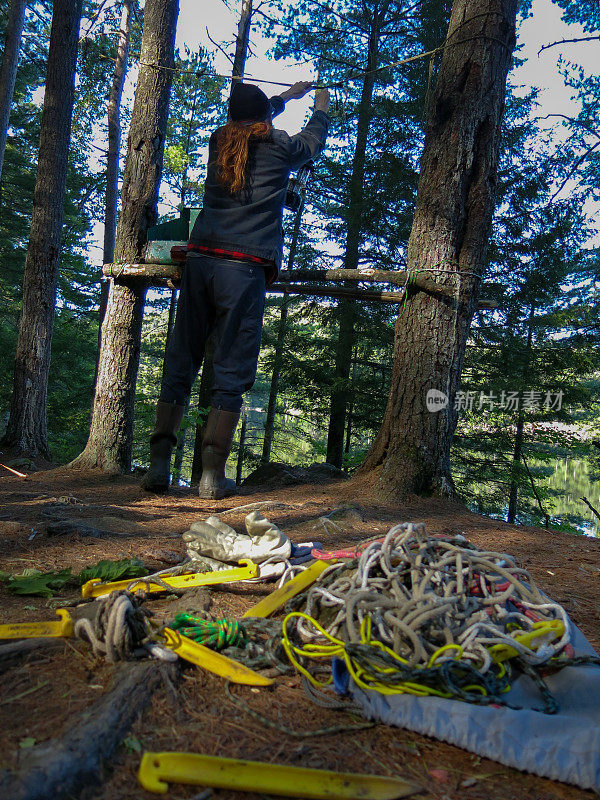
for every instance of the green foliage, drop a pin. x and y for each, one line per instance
(107, 571)
(196, 108)
(36, 583)
(533, 342)
(45, 584)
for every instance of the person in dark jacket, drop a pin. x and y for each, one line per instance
(234, 252)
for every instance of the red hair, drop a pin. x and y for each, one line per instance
(233, 146)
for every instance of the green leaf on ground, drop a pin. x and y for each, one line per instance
(28, 741)
(106, 570)
(132, 744)
(40, 584)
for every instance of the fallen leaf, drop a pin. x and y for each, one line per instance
(28, 741)
(441, 775)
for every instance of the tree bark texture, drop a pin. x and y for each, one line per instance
(242, 41)
(451, 226)
(345, 311)
(27, 427)
(110, 441)
(8, 72)
(112, 159)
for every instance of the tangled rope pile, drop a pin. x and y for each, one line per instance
(426, 615)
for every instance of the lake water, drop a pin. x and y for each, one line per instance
(571, 481)
(566, 481)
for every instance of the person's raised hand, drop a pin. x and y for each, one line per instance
(297, 90)
(322, 101)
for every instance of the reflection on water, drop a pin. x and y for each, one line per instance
(569, 482)
(562, 483)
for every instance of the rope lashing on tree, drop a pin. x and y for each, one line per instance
(119, 628)
(427, 616)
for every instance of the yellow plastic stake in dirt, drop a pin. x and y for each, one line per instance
(210, 660)
(95, 587)
(158, 769)
(542, 633)
(290, 589)
(35, 630)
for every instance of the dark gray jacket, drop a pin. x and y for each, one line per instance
(251, 222)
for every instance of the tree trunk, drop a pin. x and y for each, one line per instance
(8, 73)
(513, 492)
(204, 391)
(346, 309)
(240, 458)
(278, 361)
(451, 226)
(242, 41)
(112, 159)
(111, 434)
(274, 390)
(180, 448)
(27, 426)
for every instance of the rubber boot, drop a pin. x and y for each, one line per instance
(162, 442)
(216, 446)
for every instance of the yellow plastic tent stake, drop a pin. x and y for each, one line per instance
(290, 589)
(95, 587)
(35, 630)
(542, 633)
(210, 660)
(157, 769)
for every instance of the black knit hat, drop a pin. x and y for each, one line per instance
(248, 102)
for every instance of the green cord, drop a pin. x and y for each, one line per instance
(217, 635)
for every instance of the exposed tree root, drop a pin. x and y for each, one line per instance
(63, 767)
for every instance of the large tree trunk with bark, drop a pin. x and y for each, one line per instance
(346, 309)
(8, 73)
(451, 227)
(112, 159)
(27, 427)
(111, 434)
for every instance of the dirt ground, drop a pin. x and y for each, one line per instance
(47, 692)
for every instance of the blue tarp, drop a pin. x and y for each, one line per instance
(563, 746)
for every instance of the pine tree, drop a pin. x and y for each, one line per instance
(27, 426)
(8, 71)
(110, 442)
(451, 226)
(366, 179)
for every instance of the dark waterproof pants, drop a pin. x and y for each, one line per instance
(228, 297)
